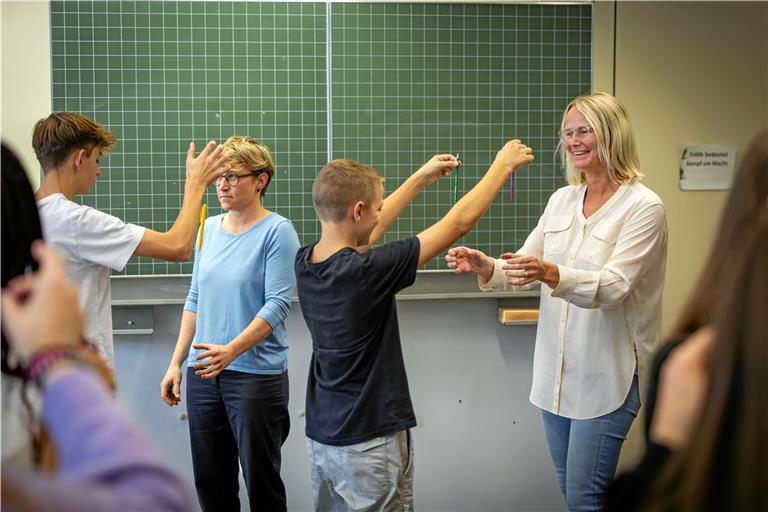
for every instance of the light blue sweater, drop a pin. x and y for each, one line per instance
(238, 277)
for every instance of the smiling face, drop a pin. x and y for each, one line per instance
(582, 148)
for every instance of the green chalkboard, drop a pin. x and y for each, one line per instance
(389, 84)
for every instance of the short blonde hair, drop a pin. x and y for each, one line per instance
(247, 152)
(340, 184)
(55, 136)
(616, 146)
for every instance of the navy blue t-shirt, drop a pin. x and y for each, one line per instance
(357, 387)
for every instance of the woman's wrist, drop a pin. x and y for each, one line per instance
(50, 361)
(551, 275)
(488, 269)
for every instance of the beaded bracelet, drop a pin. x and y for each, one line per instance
(44, 360)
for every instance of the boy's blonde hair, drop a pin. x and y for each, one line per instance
(247, 152)
(615, 140)
(340, 184)
(55, 136)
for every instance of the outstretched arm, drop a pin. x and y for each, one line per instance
(465, 260)
(176, 244)
(395, 203)
(105, 462)
(464, 215)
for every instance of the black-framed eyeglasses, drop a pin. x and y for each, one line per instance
(233, 178)
(579, 133)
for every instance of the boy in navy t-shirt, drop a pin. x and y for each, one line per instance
(359, 409)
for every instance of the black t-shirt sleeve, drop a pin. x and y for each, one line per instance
(392, 267)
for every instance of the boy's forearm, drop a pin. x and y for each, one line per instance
(395, 203)
(184, 229)
(468, 210)
(464, 215)
(177, 243)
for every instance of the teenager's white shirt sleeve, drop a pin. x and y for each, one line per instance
(104, 239)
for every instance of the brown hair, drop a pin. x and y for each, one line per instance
(245, 151)
(55, 136)
(724, 464)
(340, 184)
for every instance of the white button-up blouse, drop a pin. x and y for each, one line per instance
(602, 321)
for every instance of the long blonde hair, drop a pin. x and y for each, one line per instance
(616, 146)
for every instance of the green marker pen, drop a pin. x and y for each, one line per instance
(456, 182)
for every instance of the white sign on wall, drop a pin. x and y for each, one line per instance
(707, 167)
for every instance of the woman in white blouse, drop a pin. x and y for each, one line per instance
(600, 250)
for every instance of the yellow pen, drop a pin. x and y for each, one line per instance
(203, 215)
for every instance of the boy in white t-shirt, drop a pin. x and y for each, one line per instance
(68, 147)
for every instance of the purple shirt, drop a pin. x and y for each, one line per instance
(105, 462)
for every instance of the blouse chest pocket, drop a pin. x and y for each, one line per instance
(599, 246)
(556, 233)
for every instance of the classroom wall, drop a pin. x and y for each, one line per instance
(479, 444)
(688, 72)
(26, 70)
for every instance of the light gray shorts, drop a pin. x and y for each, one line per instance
(375, 475)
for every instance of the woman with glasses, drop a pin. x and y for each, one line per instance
(600, 251)
(237, 381)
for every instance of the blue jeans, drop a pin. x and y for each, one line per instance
(243, 416)
(586, 452)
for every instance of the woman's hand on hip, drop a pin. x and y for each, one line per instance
(215, 359)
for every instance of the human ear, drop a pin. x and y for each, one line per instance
(261, 182)
(357, 211)
(78, 158)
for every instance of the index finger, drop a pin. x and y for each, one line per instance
(219, 155)
(208, 148)
(203, 355)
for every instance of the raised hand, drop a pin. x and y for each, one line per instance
(514, 155)
(208, 165)
(438, 166)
